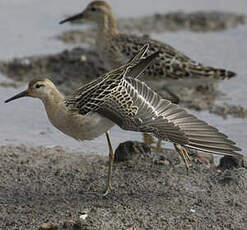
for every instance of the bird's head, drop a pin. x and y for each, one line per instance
(95, 12)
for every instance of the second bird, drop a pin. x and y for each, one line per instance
(116, 48)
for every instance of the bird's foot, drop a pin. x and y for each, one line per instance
(184, 155)
(108, 190)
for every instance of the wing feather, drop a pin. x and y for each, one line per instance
(148, 112)
(132, 105)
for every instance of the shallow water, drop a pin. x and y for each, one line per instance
(29, 28)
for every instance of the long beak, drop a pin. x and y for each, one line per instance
(72, 18)
(19, 95)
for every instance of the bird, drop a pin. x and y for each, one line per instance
(116, 48)
(119, 97)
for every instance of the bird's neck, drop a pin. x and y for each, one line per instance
(107, 28)
(53, 97)
(55, 106)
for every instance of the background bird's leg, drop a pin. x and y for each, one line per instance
(158, 146)
(111, 161)
(148, 139)
(184, 154)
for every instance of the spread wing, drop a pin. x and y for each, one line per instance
(90, 96)
(134, 106)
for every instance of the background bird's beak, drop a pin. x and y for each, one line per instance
(19, 95)
(72, 18)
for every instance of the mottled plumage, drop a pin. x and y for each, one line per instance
(171, 63)
(116, 48)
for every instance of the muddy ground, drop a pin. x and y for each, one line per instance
(49, 188)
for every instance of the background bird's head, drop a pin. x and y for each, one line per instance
(96, 12)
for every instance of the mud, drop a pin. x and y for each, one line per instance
(49, 188)
(199, 21)
(72, 68)
(67, 69)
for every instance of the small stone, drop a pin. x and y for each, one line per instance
(83, 58)
(125, 151)
(192, 210)
(68, 224)
(188, 227)
(203, 158)
(230, 162)
(49, 226)
(78, 225)
(163, 159)
(83, 216)
(130, 228)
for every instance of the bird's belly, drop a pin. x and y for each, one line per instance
(85, 127)
(92, 126)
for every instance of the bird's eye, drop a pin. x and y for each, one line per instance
(38, 86)
(93, 9)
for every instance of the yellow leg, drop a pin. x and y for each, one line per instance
(148, 139)
(111, 161)
(184, 154)
(158, 146)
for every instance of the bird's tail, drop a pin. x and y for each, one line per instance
(207, 71)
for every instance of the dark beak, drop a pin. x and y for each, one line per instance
(19, 95)
(72, 18)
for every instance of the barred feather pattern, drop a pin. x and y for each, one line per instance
(90, 96)
(134, 106)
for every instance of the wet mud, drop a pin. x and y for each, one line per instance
(199, 21)
(48, 188)
(67, 70)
